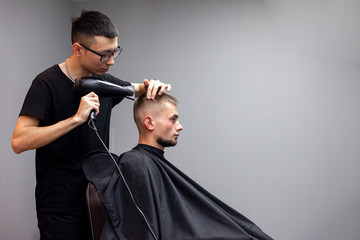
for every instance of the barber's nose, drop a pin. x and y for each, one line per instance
(110, 61)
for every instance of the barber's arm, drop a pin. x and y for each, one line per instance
(28, 135)
(151, 88)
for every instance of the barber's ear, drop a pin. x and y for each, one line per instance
(148, 122)
(76, 48)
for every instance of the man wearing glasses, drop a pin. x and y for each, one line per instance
(53, 121)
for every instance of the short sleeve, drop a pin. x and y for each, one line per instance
(37, 100)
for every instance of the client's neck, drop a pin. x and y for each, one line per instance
(151, 143)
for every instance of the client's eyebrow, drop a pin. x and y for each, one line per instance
(174, 116)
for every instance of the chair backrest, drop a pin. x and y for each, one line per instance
(97, 213)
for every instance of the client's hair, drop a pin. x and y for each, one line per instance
(142, 104)
(91, 24)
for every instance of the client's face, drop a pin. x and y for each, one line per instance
(168, 126)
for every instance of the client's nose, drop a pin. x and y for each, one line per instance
(179, 127)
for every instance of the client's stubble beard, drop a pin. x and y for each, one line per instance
(166, 143)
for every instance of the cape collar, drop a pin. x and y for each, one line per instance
(152, 149)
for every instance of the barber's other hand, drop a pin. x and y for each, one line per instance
(87, 103)
(154, 86)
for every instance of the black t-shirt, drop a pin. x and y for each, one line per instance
(60, 180)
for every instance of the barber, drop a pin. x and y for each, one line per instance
(53, 121)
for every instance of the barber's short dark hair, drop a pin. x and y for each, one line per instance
(91, 24)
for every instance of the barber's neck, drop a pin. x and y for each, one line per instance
(75, 68)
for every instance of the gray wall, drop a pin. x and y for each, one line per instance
(270, 102)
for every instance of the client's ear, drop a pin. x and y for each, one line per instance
(148, 122)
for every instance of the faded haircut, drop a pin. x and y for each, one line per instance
(142, 104)
(91, 24)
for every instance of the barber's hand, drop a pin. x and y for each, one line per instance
(154, 87)
(88, 102)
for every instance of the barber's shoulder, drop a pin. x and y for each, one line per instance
(50, 71)
(49, 76)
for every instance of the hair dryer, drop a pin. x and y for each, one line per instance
(101, 88)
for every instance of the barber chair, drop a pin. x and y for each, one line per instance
(97, 213)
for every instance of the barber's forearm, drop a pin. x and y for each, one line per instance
(28, 137)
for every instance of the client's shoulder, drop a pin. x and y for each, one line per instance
(134, 156)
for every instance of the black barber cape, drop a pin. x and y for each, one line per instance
(174, 206)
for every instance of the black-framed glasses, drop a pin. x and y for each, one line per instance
(106, 56)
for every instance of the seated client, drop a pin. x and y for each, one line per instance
(149, 198)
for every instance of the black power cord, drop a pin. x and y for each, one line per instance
(92, 125)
